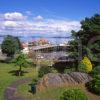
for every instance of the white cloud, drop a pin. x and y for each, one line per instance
(38, 18)
(54, 26)
(15, 24)
(10, 24)
(14, 16)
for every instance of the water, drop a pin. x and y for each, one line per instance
(53, 40)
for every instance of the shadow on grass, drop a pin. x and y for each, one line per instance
(7, 60)
(4, 61)
(16, 72)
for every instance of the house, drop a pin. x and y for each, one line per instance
(25, 48)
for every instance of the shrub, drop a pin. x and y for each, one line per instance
(85, 65)
(44, 70)
(94, 85)
(97, 77)
(82, 67)
(54, 70)
(96, 71)
(73, 94)
(69, 70)
(35, 80)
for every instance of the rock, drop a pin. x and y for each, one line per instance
(60, 80)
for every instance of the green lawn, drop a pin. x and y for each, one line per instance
(6, 77)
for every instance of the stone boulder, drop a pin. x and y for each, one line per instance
(60, 80)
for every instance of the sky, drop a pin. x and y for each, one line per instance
(49, 18)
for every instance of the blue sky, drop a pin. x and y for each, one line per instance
(44, 17)
(71, 9)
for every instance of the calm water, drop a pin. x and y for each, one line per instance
(54, 40)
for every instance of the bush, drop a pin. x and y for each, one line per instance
(53, 70)
(69, 70)
(44, 70)
(97, 77)
(73, 94)
(85, 65)
(96, 71)
(35, 80)
(94, 85)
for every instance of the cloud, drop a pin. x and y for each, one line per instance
(16, 23)
(38, 18)
(14, 16)
(10, 24)
(54, 27)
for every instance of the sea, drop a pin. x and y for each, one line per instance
(53, 40)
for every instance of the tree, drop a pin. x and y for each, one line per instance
(10, 45)
(21, 61)
(73, 52)
(90, 29)
(19, 46)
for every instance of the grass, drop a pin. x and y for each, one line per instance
(52, 93)
(6, 77)
(49, 94)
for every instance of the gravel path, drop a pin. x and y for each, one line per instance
(10, 91)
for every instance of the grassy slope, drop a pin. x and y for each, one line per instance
(7, 78)
(51, 94)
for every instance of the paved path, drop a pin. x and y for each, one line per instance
(10, 91)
